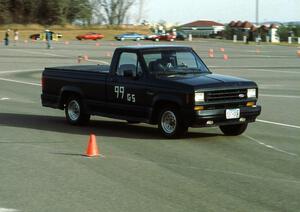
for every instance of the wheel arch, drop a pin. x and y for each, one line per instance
(162, 101)
(66, 92)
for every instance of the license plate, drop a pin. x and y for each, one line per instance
(232, 113)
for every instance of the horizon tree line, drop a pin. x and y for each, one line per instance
(59, 12)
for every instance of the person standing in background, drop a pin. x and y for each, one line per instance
(6, 38)
(48, 38)
(16, 36)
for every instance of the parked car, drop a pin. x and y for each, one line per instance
(181, 35)
(130, 36)
(164, 85)
(164, 37)
(42, 36)
(90, 36)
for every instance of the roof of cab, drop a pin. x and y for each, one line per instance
(154, 47)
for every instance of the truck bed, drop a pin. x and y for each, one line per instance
(81, 68)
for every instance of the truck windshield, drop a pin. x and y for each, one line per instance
(174, 62)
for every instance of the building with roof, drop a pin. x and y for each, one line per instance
(203, 28)
(251, 31)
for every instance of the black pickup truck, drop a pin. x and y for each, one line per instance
(165, 85)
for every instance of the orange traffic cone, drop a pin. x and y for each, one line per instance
(298, 53)
(92, 148)
(222, 49)
(211, 53)
(86, 57)
(225, 57)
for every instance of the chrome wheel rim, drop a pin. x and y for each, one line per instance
(74, 110)
(168, 122)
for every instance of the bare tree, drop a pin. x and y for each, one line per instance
(113, 11)
(97, 10)
(141, 12)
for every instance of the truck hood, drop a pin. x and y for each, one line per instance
(204, 81)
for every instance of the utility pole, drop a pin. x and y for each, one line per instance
(257, 12)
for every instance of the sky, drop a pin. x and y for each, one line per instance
(224, 11)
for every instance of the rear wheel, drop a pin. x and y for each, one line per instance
(170, 122)
(75, 113)
(232, 130)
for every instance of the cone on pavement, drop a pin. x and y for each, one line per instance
(92, 148)
(298, 53)
(225, 57)
(211, 53)
(222, 49)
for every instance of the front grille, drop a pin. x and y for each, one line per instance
(224, 95)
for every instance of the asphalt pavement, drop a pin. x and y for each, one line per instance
(42, 166)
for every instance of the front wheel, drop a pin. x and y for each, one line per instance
(233, 130)
(75, 113)
(170, 123)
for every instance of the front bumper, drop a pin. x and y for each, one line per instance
(217, 117)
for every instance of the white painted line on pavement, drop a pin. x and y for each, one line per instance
(275, 71)
(8, 210)
(232, 173)
(4, 98)
(253, 67)
(21, 82)
(57, 55)
(279, 96)
(33, 52)
(277, 123)
(99, 61)
(19, 71)
(269, 146)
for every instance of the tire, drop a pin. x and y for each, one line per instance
(75, 113)
(170, 123)
(233, 130)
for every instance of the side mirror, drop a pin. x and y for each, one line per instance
(128, 73)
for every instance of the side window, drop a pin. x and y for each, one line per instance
(151, 60)
(127, 61)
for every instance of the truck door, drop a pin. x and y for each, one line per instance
(126, 89)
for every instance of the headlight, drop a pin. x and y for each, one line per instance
(251, 93)
(199, 97)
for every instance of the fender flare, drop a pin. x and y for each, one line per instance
(71, 89)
